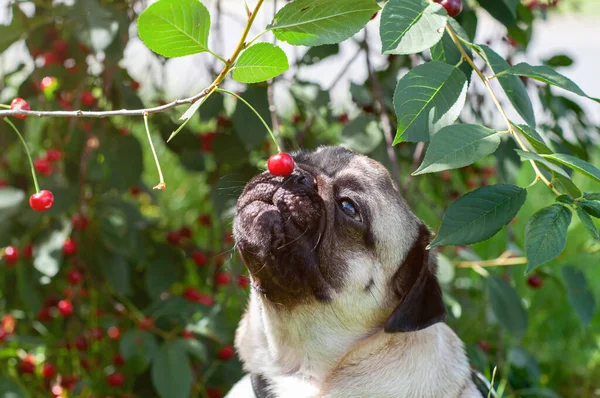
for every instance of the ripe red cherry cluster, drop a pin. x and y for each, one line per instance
(453, 7)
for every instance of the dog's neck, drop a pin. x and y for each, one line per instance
(305, 343)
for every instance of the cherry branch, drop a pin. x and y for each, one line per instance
(511, 129)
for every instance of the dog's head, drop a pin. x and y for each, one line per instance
(337, 231)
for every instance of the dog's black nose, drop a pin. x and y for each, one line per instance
(301, 177)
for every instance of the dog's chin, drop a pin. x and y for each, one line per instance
(278, 227)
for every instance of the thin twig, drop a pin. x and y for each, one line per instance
(271, 95)
(497, 262)
(344, 69)
(385, 117)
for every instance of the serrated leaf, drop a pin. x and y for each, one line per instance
(446, 51)
(428, 98)
(580, 295)
(513, 86)
(259, 63)
(576, 164)
(524, 155)
(507, 306)
(588, 223)
(458, 145)
(411, 26)
(591, 207)
(534, 138)
(567, 185)
(548, 75)
(362, 135)
(479, 215)
(591, 196)
(174, 28)
(171, 371)
(546, 235)
(315, 22)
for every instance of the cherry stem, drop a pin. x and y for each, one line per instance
(161, 184)
(35, 181)
(256, 113)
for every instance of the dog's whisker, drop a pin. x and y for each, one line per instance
(338, 318)
(293, 240)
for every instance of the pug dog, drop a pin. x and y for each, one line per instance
(344, 301)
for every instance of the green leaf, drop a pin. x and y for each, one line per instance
(125, 161)
(458, 145)
(247, 126)
(138, 347)
(162, 271)
(579, 294)
(524, 155)
(546, 235)
(588, 223)
(314, 22)
(504, 11)
(428, 98)
(171, 371)
(362, 135)
(27, 283)
(319, 53)
(479, 215)
(411, 26)
(591, 207)
(260, 62)
(534, 138)
(591, 196)
(513, 86)
(507, 306)
(576, 164)
(548, 75)
(97, 26)
(446, 51)
(567, 185)
(116, 271)
(195, 348)
(559, 60)
(174, 28)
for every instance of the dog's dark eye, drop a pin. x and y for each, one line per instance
(350, 209)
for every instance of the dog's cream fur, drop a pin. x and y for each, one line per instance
(339, 349)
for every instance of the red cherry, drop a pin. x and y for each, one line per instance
(48, 370)
(28, 251)
(113, 333)
(118, 360)
(214, 392)
(48, 83)
(61, 47)
(343, 118)
(51, 301)
(243, 281)
(228, 238)
(53, 154)
(44, 314)
(223, 121)
(185, 232)
(42, 166)
(222, 278)
(11, 255)
(188, 335)
(226, 353)
(446, 175)
(206, 141)
(9, 323)
(65, 308)
(27, 365)
(296, 119)
(69, 247)
(81, 343)
(193, 295)
(87, 98)
(281, 164)
(135, 85)
(3, 183)
(95, 333)
(135, 190)
(484, 346)
(19, 104)
(74, 276)
(51, 58)
(453, 7)
(204, 220)
(123, 131)
(173, 238)
(3, 335)
(115, 379)
(199, 258)
(535, 281)
(79, 221)
(146, 324)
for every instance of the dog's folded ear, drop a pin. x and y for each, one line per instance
(415, 283)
